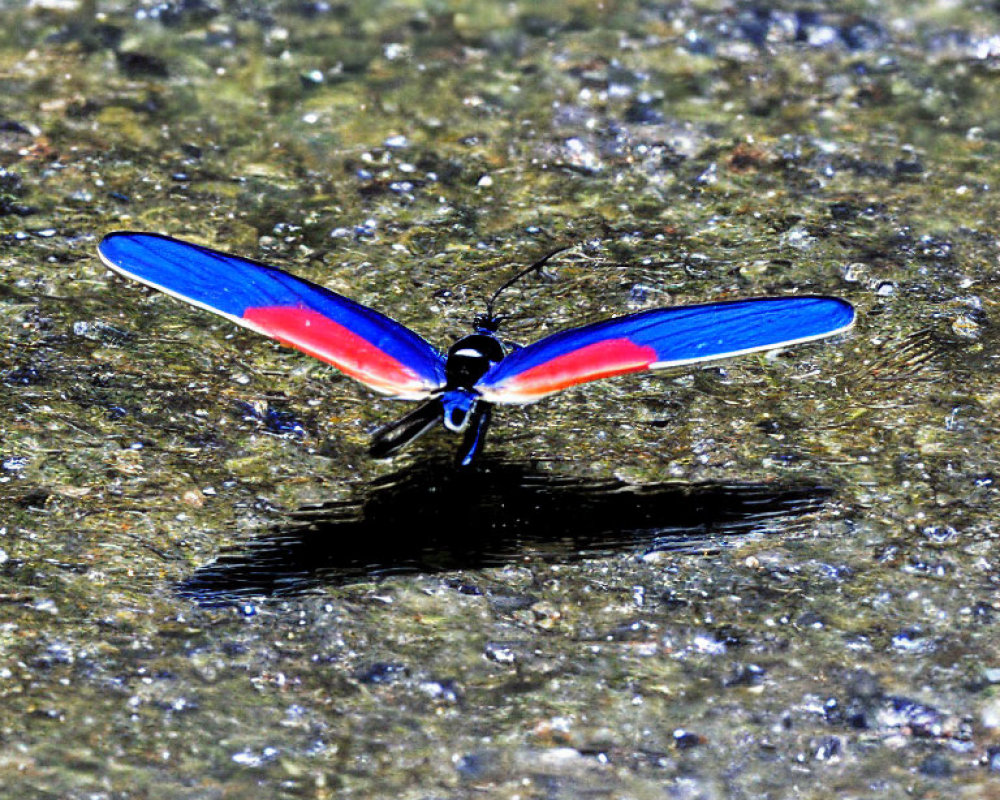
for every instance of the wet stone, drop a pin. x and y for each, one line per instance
(917, 718)
(508, 604)
(446, 690)
(483, 765)
(382, 672)
(686, 740)
(636, 630)
(502, 652)
(831, 747)
(137, 64)
(745, 675)
(936, 765)
(23, 376)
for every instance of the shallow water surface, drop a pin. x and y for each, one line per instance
(773, 577)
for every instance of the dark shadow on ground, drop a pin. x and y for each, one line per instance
(432, 517)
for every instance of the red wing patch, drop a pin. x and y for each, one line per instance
(589, 363)
(321, 337)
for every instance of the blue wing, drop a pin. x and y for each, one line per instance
(362, 343)
(661, 338)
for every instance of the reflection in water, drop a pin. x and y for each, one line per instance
(431, 518)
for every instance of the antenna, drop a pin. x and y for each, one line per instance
(489, 320)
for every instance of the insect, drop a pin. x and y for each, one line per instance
(460, 387)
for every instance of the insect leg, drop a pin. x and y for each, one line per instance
(475, 434)
(391, 438)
